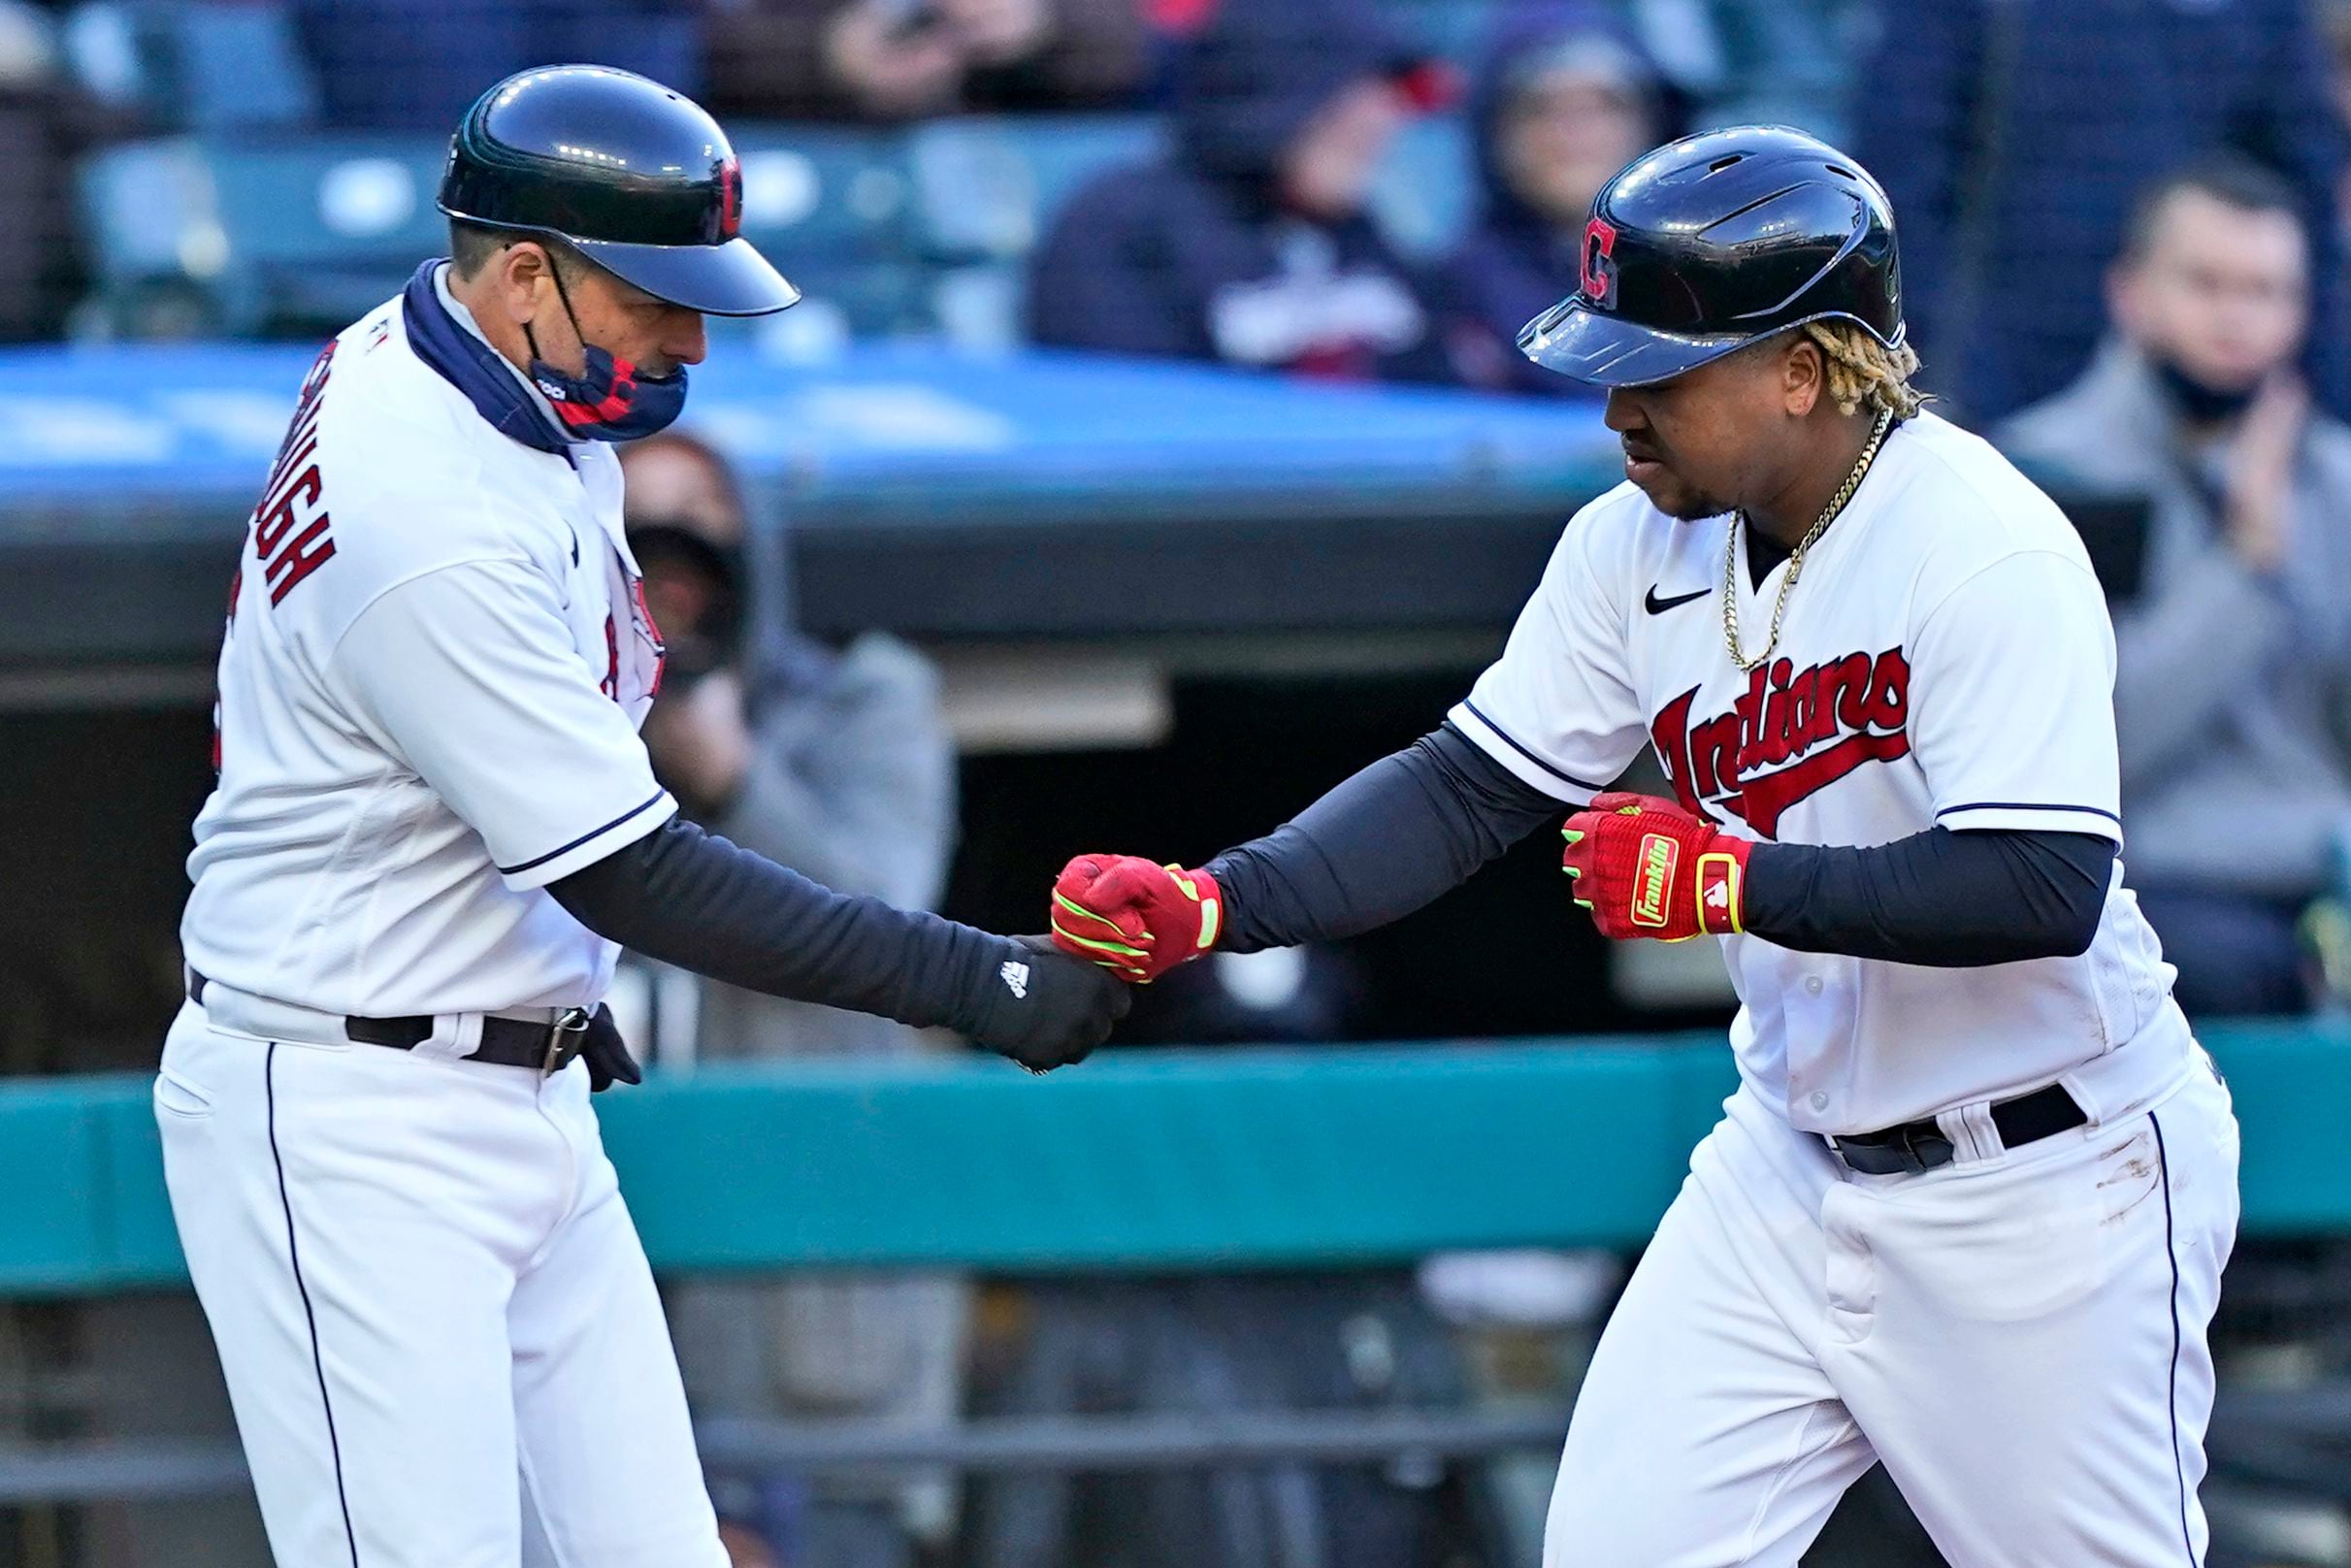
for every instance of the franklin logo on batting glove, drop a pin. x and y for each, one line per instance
(1645, 868)
(1658, 855)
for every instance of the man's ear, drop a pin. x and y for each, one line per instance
(1803, 376)
(520, 269)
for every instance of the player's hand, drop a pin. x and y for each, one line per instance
(1045, 1010)
(1135, 918)
(607, 1053)
(1646, 867)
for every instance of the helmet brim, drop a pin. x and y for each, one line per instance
(1599, 349)
(722, 279)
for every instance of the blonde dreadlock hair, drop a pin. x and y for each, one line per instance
(1864, 371)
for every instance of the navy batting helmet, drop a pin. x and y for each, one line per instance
(640, 178)
(1709, 243)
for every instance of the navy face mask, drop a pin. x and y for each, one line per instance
(2198, 401)
(611, 399)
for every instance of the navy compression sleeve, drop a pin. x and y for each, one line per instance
(691, 899)
(1950, 899)
(1417, 824)
(1395, 836)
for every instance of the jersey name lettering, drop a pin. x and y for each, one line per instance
(1788, 735)
(290, 525)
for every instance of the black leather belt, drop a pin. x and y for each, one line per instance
(1917, 1146)
(505, 1042)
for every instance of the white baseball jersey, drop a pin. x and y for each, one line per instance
(423, 1281)
(436, 659)
(1945, 659)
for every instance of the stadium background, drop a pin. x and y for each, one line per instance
(1165, 602)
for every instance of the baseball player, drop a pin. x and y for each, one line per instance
(433, 823)
(1967, 1213)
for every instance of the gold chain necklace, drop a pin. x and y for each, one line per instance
(1795, 560)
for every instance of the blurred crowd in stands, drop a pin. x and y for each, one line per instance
(2124, 244)
(1334, 187)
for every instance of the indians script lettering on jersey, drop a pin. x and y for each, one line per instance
(1788, 735)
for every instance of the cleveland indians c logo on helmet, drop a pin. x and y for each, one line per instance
(1599, 282)
(730, 199)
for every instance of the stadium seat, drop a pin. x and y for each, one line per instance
(876, 297)
(1427, 189)
(200, 65)
(1455, 29)
(986, 188)
(274, 235)
(157, 247)
(272, 238)
(837, 193)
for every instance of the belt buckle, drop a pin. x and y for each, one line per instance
(565, 1039)
(1858, 1158)
(1909, 1153)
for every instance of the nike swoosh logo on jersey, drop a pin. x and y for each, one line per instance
(1658, 607)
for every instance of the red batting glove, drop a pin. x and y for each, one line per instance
(1646, 867)
(1136, 919)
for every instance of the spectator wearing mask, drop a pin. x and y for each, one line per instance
(1250, 242)
(2233, 681)
(409, 65)
(885, 60)
(2011, 139)
(839, 767)
(1565, 99)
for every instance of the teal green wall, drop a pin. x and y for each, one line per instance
(1157, 1158)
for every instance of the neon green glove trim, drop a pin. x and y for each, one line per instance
(1077, 908)
(1091, 945)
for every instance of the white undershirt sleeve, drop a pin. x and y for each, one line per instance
(470, 676)
(2012, 700)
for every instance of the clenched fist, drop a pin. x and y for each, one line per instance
(1135, 918)
(1646, 867)
(1043, 1010)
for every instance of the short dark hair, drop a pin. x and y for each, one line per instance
(2230, 179)
(472, 244)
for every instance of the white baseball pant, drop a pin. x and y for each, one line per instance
(425, 1287)
(2018, 1336)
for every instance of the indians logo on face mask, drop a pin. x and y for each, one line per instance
(1792, 732)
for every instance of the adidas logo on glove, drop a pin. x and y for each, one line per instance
(1016, 980)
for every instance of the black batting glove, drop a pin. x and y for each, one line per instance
(1043, 1008)
(607, 1053)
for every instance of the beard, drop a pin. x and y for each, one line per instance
(1696, 508)
(1682, 501)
